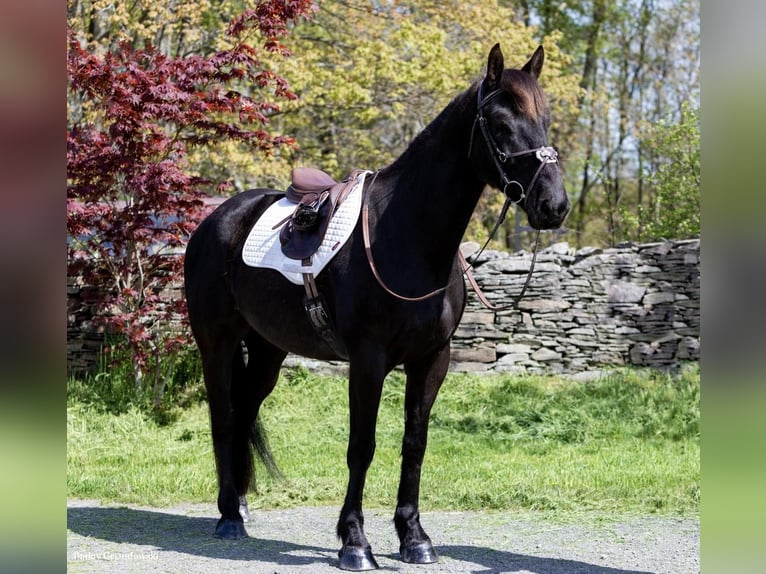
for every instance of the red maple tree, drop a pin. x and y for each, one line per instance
(132, 200)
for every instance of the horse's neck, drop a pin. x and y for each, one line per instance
(434, 188)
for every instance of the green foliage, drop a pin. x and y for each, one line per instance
(674, 212)
(112, 390)
(370, 76)
(627, 443)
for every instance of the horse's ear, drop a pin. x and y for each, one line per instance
(495, 67)
(535, 64)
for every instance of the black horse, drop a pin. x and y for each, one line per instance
(417, 209)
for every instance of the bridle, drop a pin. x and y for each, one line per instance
(545, 155)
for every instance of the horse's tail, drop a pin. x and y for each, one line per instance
(261, 447)
(246, 401)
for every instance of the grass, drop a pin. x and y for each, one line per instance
(628, 443)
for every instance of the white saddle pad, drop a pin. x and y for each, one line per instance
(262, 247)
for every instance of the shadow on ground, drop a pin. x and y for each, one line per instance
(193, 536)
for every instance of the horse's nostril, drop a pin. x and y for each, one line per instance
(555, 207)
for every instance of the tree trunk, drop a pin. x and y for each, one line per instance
(587, 87)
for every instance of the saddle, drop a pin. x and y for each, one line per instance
(317, 196)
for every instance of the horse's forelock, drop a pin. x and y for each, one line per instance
(526, 91)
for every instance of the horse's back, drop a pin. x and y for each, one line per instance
(228, 223)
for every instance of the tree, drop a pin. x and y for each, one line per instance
(674, 212)
(371, 75)
(132, 197)
(637, 61)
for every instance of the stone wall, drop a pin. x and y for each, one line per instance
(584, 311)
(84, 338)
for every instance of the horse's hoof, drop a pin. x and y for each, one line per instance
(229, 529)
(421, 553)
(357, 559)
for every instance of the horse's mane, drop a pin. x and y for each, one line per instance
(452, 109)
(527, 95)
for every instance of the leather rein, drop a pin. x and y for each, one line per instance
(545, 155)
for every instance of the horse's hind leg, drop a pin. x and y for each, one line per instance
(221, 355)
(424, 379)
(235, 392)
(251, 384)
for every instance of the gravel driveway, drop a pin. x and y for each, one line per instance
(131, 538)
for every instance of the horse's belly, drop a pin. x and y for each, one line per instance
(274, 308)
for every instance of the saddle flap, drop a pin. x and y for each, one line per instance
(300, 243)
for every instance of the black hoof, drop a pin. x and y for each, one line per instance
(229, 529)
(422, 553)
(357, 559)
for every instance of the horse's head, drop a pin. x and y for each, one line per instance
(509, 141)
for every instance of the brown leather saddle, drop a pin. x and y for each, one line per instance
(317, 196)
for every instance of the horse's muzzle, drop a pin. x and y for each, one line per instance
(549, 213)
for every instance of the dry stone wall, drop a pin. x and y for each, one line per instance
(84, 338)
(584, 311)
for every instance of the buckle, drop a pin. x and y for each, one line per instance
(317, 314)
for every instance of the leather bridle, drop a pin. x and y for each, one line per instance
(545, 154)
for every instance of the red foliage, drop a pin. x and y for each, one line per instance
(131, 200)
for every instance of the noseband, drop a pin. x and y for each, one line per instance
(544, 155)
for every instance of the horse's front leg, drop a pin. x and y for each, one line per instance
(366, 375)
(424, 379)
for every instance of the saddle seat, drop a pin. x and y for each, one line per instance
(308, 180)
(317, 196)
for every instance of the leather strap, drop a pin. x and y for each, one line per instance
(316, 311)
(463, 263)
(480, 294)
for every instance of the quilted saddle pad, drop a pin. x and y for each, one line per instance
(262, 247)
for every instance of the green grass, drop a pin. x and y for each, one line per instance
(628, 443)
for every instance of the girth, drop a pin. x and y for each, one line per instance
(316, 311)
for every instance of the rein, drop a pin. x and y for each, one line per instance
(545, 155)
(463, 263)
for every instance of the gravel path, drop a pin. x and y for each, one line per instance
(127, 539)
